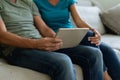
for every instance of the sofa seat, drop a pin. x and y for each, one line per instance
(10, 72)
(113, 41)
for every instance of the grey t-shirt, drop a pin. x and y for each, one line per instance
(18, 18)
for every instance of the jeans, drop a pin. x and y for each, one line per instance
(88, 57)
(90, 60)
(59, 64)
(110, 59)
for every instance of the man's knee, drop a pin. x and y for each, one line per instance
(95, 55)
(64, 63)
(63, 60)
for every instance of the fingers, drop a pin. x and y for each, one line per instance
(56, 44)
(95, 40)
(53, 48)
(50, 44)
(56, 40)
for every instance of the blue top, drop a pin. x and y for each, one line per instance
(55, 16)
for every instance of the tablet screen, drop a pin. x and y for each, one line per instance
(71, 37)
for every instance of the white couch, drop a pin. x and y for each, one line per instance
(9, 72)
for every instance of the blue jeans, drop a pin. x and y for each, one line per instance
(58, 64)
(110, 59)
(90, 60)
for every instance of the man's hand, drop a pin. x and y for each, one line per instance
(49, 44)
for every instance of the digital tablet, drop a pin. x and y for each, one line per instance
(71, 37)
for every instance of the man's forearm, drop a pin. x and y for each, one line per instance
(17, 41)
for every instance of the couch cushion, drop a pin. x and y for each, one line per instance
(112, 40)
(111, 18)
(91, 16)
(9, 72)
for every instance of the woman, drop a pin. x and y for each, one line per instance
(55, 13)
(21, 28)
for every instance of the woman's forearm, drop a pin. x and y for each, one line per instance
(83, 24)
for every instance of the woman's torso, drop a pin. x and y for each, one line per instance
(55, 16)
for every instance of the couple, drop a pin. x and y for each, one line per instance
(29, 41)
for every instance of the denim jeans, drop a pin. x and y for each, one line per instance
(110, 59)
(88, 57)
(58, 64)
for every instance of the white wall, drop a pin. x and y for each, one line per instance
(106, 4)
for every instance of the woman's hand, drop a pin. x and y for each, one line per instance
(96, 39)
(49, 44)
